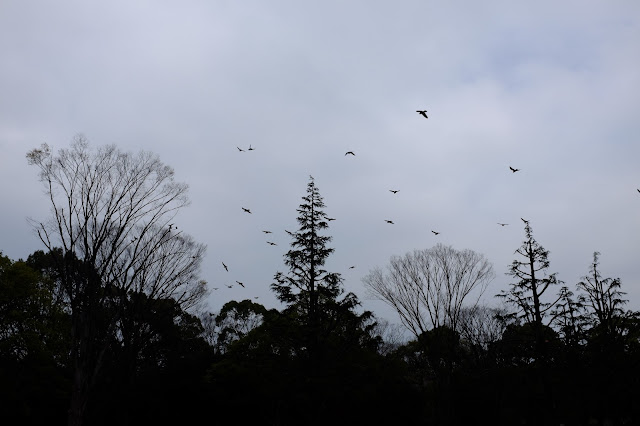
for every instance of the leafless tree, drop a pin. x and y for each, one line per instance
(111, 213)
(482, 325)
(393, 336)
(428, 288)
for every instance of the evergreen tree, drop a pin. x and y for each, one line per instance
(604, 298)
(532, 282)
(311, 292)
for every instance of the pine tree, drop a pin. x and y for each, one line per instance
(533, 281)
(311, 292)
(605, 298)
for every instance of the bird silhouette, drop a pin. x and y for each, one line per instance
(270, 243)
(240, 149)
(351, 267)
(229, 286)
(435, 232)
(255, 297)
(289, 232)
(250, 148)
(524, 220)
(514, 170)
(349, 152)
(388, 221)
(638, 190)
(215, 288)
(246, 210)
(330, 219)
(423, 113)
(395, 191)
(267, 232)
(225, 267)
(502, 224)
(241, 285)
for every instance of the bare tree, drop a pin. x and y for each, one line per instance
(235, 320)
(111, 219)
(428, 288)
(482, 325)
(393, 336)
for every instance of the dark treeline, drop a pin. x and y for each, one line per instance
(107, 326)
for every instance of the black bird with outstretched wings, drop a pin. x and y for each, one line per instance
(423, 113)
(350, 153)
(241, 285)
(395, 191)
(436, 233)
(225, 267)
(246, 210)
(514, 170)
(389, 221)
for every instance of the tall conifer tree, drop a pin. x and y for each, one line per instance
(309, 290)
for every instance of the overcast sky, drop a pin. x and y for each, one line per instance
(549, 87)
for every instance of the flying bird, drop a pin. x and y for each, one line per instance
(289, 232)
(229, 286)
(225, 267)
(422, 113)
(349, 152)
(246, 210)
(638, 190)
(351, 267)
(395, 191)
(242, 285)
(240, 149)
(270, 243)
(388, 221)
(514, 170)
(250, 148)
(215, 288)
(502, 224)
(524, 220)
(435, 232)
(330, 219)
(267, 232)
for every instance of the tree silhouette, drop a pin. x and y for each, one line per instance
(604, 298)
(428, 288)
(532, 282)
(112, 218)
(310, 292)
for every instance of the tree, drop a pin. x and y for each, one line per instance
(111, 236)
(34, 346)
(480, 326)
(428, 288)
(568, 316)
(235, 320)
(533, 281)
(311, 293)
(604, 298)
